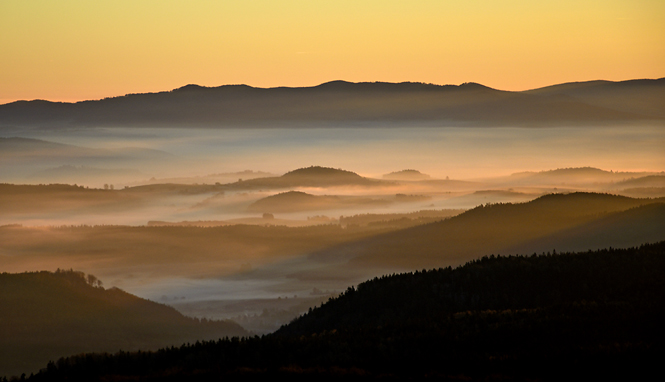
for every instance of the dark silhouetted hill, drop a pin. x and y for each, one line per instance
(486, 229)
(47, 315)
(643, 224)
(345, 103)
(572, 316)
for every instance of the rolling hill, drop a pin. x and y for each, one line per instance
(313, 176)
(501, 228)
(46, 315)
(572, 316)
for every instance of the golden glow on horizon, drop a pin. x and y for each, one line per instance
(73, 50)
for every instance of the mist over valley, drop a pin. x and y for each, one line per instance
(258, 217)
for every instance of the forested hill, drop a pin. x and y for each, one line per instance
(572, 316)
(345, 103)
(496, 283)
(500, 228)
(46, 315)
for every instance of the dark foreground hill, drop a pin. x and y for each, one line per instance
(343, 103)
(573, 316)
(46, 315)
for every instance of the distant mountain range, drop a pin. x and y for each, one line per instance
(344, 103)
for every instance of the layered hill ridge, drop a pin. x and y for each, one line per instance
(504, 228)
(340, 102)
(45, 315)
(573, 316)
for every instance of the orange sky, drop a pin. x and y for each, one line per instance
(73, 50)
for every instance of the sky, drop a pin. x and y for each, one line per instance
(70, 50)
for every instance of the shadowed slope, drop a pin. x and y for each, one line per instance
(574, 316)
(48, 315)
(643, 224)
(481, 231)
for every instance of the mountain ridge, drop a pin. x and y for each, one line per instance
(341, 102)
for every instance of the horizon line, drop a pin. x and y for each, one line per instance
(325, 83)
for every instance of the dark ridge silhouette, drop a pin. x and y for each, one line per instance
(642, 224)
(642, 96)
(345, 103)
(486, 229)
(46, 315)
(571, 316)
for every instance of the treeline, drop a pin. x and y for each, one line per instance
(573, 316)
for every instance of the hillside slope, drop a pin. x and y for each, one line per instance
(46, 315)
(484, 230)
(573, 316)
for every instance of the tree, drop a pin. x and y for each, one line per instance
(92, 280)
